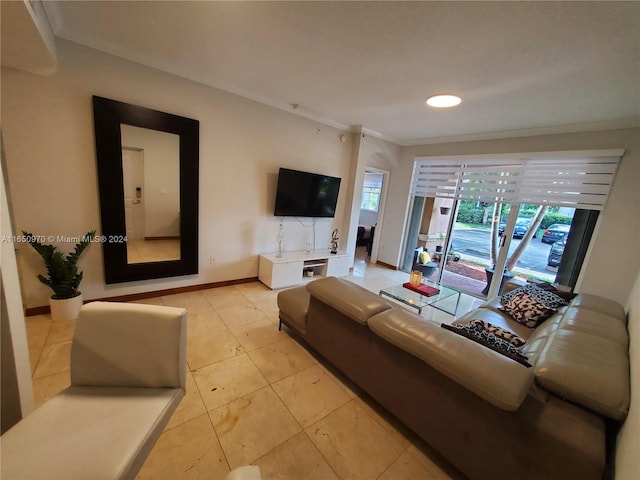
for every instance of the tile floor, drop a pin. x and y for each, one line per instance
(255, 395)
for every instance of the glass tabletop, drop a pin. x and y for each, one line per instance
(415, 299)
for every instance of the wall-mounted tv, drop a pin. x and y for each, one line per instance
(304, 194)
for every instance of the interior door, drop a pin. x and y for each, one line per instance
(133, 182)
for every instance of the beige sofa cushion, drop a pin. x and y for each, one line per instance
(595, 323)
(600, 304)
(586, 369)
(348, 298)
(127, 344)
(495, 378)
(88, 433)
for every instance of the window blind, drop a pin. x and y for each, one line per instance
(582, 180)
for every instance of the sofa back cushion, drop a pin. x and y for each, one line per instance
(588, 370)
(585, 356)
(348, 298)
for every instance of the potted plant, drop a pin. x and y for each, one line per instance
(63, 276)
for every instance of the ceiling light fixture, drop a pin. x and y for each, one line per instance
(443, 101)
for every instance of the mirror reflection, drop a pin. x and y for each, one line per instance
(151, 181)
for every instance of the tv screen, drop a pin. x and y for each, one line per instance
(304, 194)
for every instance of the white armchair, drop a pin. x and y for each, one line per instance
(128, 367)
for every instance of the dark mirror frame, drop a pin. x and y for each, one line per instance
(108, 116)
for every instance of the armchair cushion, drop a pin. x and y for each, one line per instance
(129, 345)
(128, 371)
(88, 432)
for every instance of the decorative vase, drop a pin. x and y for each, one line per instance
(66, 308)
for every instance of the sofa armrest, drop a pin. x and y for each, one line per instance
(129, 345)
(495, 378)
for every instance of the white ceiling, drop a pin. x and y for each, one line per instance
(520, 67)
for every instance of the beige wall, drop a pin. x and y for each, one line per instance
(47, 126)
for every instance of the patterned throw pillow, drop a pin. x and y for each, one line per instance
(547, 298)
(527, 309)
(506, 335)
(490, 341)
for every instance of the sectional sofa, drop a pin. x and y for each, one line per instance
(491, 416)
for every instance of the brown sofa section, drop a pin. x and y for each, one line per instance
(488, 415)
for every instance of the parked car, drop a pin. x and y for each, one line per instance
(519, 231)
(555, 254)
(555, 232)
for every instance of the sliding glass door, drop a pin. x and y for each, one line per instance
(488, 219)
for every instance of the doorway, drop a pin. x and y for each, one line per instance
(133, 183)
(372, 204)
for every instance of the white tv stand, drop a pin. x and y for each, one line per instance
(295, 268)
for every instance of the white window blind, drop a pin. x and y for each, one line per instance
(577, 180)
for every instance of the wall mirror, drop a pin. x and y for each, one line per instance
(148, 180)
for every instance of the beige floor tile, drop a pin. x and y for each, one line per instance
(203, 324)
(46, 387)
(268, 307)
(351, 389)
(189, 451)
(253, 425)
(194, 302)
(55, 358)
(37, 329)
(384, 418)
(240, 315)
(295, 459)
(206, 349)
(228, 380)
(432, 462)
(354, 444)
(190, 407)
(279, 360)
(35, 352)
(256, 291)
(225, 297)
(406, 467)
(61, 331)
(257, 334)
(310, 395)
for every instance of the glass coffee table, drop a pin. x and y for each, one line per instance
(446, 300)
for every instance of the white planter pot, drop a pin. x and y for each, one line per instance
(66, 309)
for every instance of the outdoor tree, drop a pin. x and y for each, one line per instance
(533, 228)
(515, 256)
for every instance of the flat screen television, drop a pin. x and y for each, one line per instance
(304, 194)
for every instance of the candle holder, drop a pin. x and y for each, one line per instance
(415, 278)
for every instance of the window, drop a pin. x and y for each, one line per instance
(558, 182)
(371, 189)
(370, 198)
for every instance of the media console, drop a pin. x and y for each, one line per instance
(295, 268)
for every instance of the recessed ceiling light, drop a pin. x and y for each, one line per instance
(443, 101)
